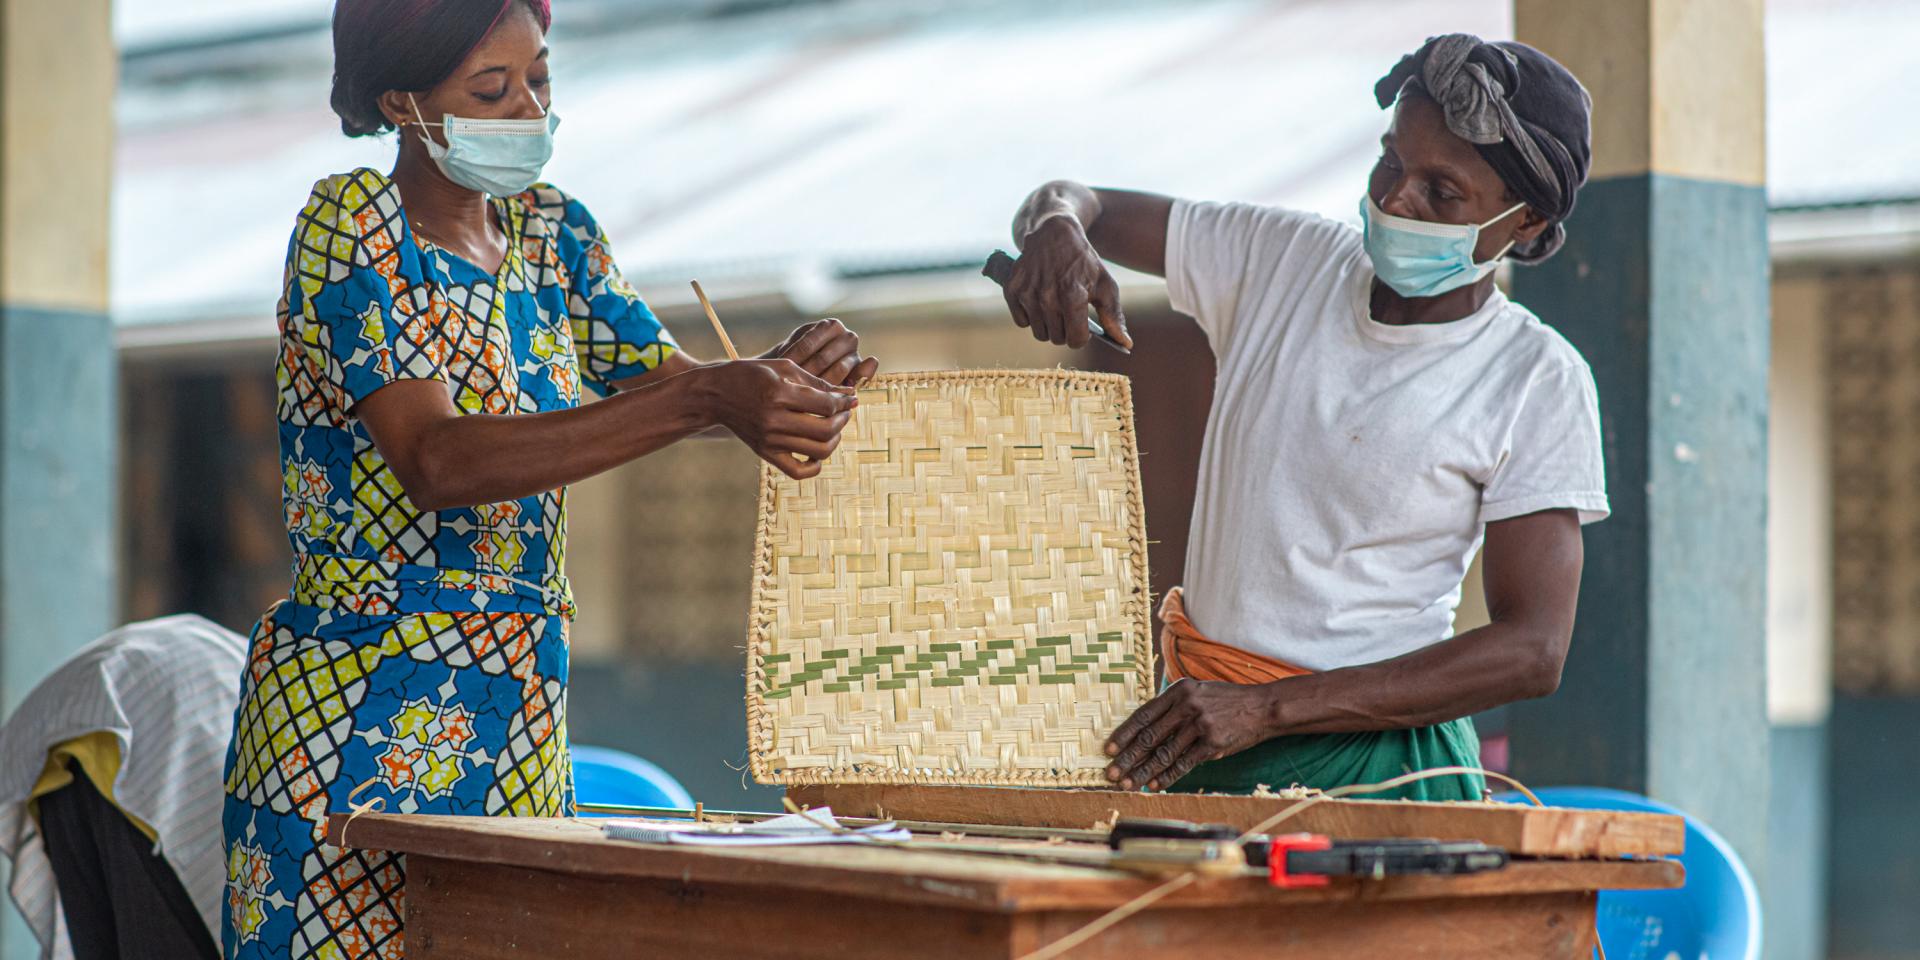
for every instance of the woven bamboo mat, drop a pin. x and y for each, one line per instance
(960, 596)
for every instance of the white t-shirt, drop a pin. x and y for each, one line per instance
(1350, 467)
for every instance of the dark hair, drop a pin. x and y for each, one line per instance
(411, 45)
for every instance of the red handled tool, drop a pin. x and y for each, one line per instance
(1280, 851)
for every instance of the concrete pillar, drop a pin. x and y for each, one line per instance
(1663, 287)
(57, 430)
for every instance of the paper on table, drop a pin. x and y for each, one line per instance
(789, 830)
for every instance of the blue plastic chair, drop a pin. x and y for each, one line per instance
(1716, 916)
(601, 775)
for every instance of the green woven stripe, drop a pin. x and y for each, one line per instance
(1049, 660)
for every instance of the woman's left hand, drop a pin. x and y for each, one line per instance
(1189, 722)
(828, 350)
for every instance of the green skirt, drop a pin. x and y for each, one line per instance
(1328, 760)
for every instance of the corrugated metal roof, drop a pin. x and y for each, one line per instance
(839, 140)
(146, 24)
(1840, 114)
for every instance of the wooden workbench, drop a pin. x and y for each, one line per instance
(483, 888)
(1519, 829)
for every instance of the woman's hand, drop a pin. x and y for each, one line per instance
(778, 410)
(1056, 278)
(828, 350)
(1189, 722)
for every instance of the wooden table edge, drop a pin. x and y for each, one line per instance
(1523, 830)
(1073, 888)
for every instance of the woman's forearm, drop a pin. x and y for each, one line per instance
(466, 460)
(1496, 664)
(1055, 198)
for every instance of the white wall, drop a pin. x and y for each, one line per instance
(1799, 511)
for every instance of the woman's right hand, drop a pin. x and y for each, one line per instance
(1056, 278)
(779, 411)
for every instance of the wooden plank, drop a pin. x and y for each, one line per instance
(1539, 927)
(930, 879)
(1524, 877)
(1523, 831)
(479, 911)
(572, 846)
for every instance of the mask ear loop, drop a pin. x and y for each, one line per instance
(1503, 250)
(421, 122)
(1507, 213)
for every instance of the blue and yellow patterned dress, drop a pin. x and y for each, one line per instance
(425, 652)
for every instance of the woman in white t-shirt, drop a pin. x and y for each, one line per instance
(1381, 410)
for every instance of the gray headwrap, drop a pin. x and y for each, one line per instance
(1524, 113)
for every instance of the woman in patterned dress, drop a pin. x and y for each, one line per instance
(435, 330)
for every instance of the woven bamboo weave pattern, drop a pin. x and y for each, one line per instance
(961, 595)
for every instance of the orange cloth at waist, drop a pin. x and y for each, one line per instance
(1189, 654)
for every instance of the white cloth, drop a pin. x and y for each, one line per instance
(167, 690)
(1350, 467)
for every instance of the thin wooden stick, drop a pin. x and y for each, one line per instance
(997, 832)
(1061, 946)
(725, 341)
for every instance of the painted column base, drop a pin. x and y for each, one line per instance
(1663, 287)
(58, 481)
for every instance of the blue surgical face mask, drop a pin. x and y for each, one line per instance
(1421, 259)
(499, 157)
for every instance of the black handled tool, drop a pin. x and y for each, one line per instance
(999, 269)
(1143, 828)
(1295, 859)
